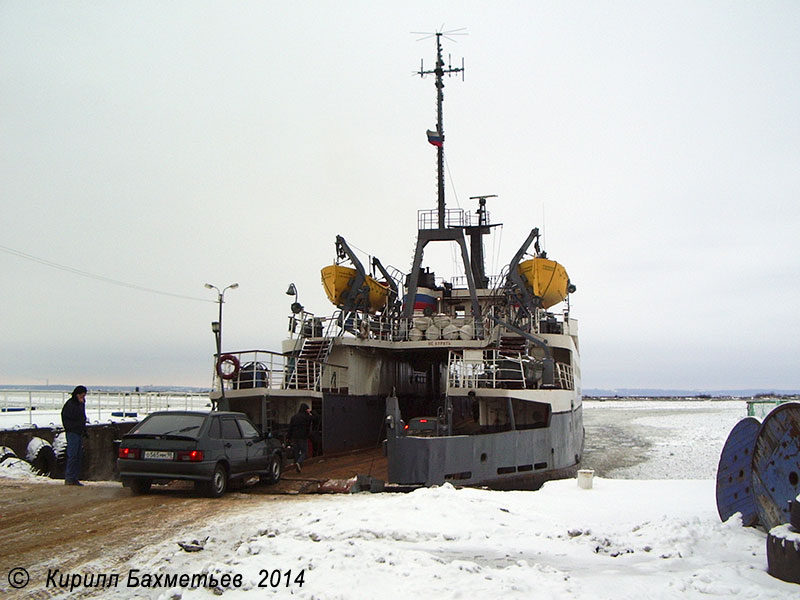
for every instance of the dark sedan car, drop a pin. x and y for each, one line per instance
(423, 427)
(207, 448)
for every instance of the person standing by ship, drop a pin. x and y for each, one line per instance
(299, 431)
(73, 417)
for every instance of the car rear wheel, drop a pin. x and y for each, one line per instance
(219, 482)
(139, 485)
(274, 470)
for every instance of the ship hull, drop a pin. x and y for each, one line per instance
(351, 422)
(517, 459)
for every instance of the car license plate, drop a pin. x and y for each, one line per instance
(158, 455)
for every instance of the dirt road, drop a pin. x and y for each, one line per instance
(47, 525)
(44, 525)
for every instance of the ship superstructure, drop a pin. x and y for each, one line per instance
(474, 380)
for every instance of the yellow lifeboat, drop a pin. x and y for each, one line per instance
(547, 280)
(336, 280)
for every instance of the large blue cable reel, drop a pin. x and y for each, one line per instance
(776, 465)
(734, 473)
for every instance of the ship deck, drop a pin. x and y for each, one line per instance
(320, 470)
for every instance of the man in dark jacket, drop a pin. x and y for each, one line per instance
(73, 417)
(299, 430)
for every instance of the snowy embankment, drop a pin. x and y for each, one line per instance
(657, 537)
(647, 531)
(621, 539)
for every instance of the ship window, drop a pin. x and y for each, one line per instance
(542, 465)
(505, 470)
(531, 415)
(456, 476)
(522, 468)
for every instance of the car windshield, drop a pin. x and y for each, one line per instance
(177, 424)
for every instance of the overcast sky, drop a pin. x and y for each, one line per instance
(169, 144)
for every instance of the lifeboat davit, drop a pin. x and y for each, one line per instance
(337, 279)
(547, 279)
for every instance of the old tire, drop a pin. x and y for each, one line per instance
(274, 470)
(139, 485)
(783, 554)
(44, 462)
(219, 482)
(6, 452)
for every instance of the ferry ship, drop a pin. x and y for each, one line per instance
(473, 380)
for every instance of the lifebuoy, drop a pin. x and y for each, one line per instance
(228, 372)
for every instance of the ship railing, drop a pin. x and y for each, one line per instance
(544, 321)
(422, 328)
(460, 281)
(472, 369)
(418, 328)
(305, 324)
(453, 217)
(498, 369)
(394, 329)
(100, 404)
(271, 370)
(524, 323)
(564, 376)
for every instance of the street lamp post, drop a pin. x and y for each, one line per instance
(216, 327)
(221, 300)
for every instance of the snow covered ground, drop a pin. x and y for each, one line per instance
(651, 531)
(627, 537)
(621, 539)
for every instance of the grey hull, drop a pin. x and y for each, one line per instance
(521, 459)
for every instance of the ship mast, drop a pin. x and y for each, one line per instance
(441, 233)
(440, 71)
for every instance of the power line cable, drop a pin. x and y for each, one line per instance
(133, 286)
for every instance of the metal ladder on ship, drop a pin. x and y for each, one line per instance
(309, 363)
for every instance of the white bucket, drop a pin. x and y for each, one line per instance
(585, 478)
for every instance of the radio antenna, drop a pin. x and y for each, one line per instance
(439, 71)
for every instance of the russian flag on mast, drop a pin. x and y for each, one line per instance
(435, 138)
